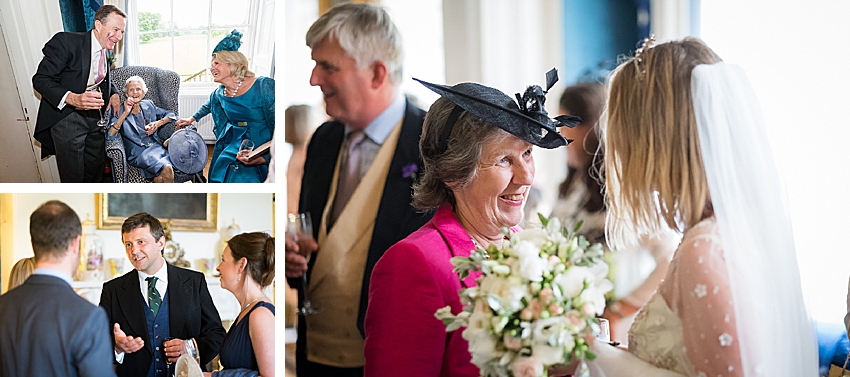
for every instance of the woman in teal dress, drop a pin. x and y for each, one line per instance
(242, 108)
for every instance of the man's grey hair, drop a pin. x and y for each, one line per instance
(365, 32)
(137, 80)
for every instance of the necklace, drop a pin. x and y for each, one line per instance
(252, 301)
(239, 85)
(478, 246)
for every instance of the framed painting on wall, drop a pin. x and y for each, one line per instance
(186, 211)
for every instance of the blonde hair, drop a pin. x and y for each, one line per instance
(654, 168)
(237, 61)
(21, 271)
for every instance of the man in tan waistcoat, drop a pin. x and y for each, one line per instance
(357, 184)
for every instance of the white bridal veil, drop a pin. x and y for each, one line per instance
(775, 334)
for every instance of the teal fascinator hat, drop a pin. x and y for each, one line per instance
(231, 42)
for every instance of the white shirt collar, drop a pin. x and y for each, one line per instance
(381, 126)
(95, 45)
(162, 274)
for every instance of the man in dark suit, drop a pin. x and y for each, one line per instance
(46, 329)
(73, 80)
(157, 302)
(372, 147)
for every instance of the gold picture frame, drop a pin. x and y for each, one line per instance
(189, 212)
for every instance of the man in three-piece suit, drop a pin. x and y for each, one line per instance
(73, 80)
(357, 182)
(157, 302)
(47, 329)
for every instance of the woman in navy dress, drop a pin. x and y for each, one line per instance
(138, 121)
(247, 267)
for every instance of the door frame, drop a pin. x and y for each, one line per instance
(27, 26)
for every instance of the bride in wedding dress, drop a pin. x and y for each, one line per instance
(685, 140)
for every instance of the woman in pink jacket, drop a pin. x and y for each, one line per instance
(476, 146)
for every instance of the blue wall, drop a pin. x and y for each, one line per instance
(597, 32)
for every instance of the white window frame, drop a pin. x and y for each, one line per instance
(250, 28)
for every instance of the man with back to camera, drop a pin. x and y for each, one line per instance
(73, 79)
(157, 301)
(47, 329)
(371, 147)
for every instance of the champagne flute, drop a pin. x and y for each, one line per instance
(300, 228)
(103, 122)
(604, 330)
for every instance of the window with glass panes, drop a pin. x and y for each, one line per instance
(180, 34)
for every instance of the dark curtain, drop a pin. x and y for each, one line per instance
(78, 15)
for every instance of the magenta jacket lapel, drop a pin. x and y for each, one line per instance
(458, 240)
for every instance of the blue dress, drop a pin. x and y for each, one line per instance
(143, 151)
(237, 351)
(248, 116)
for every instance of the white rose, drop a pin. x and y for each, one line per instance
(547, 354)
(604, 286)
(478, 323)
(510, 291)
(483, 349)
(530, 265)
(594, 297)
(599, 270)
(572, 280)
(482, 344)
(543, 331)
(536, 236)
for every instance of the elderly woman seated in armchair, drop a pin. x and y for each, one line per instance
(138, 121)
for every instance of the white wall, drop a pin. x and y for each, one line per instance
(423, 48)
(511, 45)
(252, 212)
(794, 53)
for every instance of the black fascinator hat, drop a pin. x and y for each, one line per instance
(527, 120)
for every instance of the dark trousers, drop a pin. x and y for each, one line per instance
(306, 368)
(80, 152)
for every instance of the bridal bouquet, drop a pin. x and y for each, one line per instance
(535, 302)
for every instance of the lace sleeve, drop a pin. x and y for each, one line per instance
(700, 294)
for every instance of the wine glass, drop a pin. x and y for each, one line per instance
(300, 228)
(246, 147)
(103, 122)
(190, 349)
(187, 348)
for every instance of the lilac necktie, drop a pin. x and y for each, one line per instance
(349, 174)
(101, 72)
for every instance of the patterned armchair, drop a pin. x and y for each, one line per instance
(163, 87)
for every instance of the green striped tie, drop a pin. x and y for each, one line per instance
(154, 300)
